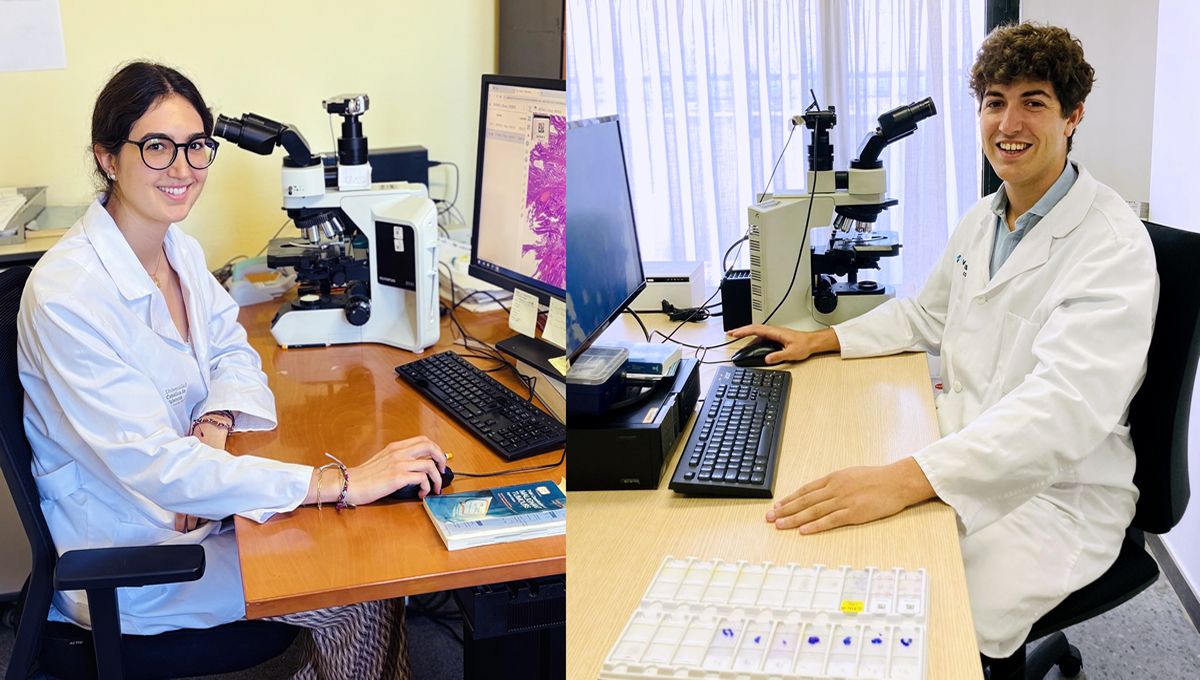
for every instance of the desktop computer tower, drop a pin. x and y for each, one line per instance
(515, 630)
(628, 448)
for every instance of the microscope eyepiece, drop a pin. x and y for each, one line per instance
(228, 128)
(894, 125)
(250, 132)
(905, 118)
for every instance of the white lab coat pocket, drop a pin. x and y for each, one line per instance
(1016, 351)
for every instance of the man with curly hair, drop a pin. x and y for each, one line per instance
(1041, 308)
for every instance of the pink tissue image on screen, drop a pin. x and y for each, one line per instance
(546, 200)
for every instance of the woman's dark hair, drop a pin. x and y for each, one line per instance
(128, 95)
(1030, 51)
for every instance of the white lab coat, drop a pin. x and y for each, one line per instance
(1039, 367)
(111, 391)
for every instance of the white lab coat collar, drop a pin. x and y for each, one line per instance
(134, 282)
(115, 254)
(1034, 250)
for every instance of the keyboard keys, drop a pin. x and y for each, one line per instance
(734, 445)
(497, 416)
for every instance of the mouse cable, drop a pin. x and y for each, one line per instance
(514, 471)
(490, 352)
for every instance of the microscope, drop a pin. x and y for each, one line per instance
(366, 262)
(801, 245)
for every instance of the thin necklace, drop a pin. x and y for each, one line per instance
(158, 265)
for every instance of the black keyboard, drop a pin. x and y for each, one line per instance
(499, 417)
(734, 446)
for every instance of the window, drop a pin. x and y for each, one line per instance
(706, 90)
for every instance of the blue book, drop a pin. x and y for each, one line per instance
(500, 515)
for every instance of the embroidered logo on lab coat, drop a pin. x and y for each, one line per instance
(962, 262)
(175, 394)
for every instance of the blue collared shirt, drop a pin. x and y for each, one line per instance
(1006, 241)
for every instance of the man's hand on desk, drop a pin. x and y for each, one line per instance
(797, 345)
(417, 460)
(854, 495)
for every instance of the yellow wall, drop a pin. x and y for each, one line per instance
(418, 60)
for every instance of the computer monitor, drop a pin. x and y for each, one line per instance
(518, 236)
(602, 243)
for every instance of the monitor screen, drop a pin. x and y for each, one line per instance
(602, 244)
(518, 239)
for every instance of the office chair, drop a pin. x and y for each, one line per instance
(1158, 422)
(69, 651)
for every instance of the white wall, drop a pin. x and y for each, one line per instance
(1174, 177)
(1118, 37)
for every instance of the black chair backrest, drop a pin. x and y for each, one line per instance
(15, 455)
(15, 461)
(1159, 414)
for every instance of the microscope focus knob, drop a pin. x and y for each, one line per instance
(358, 310)
(824, 299)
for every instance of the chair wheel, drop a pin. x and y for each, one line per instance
(1071, 663)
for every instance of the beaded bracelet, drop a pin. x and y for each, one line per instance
(211, 421)
(224, 413)
(342, 504)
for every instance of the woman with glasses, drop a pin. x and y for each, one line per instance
(136, 369)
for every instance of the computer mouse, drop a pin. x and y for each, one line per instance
(408, 493)
(755, 354)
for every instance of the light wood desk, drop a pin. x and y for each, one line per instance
(348, 401)
(840, 413)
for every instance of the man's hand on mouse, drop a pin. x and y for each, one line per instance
(797, 345)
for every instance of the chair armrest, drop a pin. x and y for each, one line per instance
(125, 567)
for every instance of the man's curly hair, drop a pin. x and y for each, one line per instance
(1030, 51)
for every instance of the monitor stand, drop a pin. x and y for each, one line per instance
(533, 358)
(536, 353)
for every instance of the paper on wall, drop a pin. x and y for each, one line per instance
(31, 37)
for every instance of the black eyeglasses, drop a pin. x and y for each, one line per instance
(158, 153)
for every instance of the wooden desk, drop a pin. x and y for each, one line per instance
(348, 401)
(840, 413)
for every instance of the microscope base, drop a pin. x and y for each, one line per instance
(295, 328)
(850, 306)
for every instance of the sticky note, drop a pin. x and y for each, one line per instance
(852, 606)
(560, 364)
(523, 314)
(555, 331)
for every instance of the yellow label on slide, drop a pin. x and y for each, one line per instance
(852, 606)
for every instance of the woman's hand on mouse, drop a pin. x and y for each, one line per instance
(417, 460)
(797, 345)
